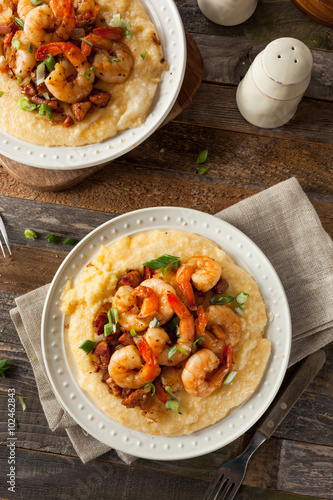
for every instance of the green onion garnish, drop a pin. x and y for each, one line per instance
(239, 309)
(35, 3)
(128, 33)
(107, 330)
(133, 332)
(19, 79)
(168, 389)
(87, 77)
(86, 41)
(172, 351)
(26, 105)
(69, 241)
(241, 298)
(229, 378)
(150, 384)
(172, 325)
(21, 400)
(3, 367)
(199, 340)
(52, 238)
(19, 22)
(202, 157)
(88, 346)
(143, 55)
(154, 322)
(40, 73)
(114, 59)
(163, 262)
(16, 43)
(29, 233)
(202, 170)
(1, 93)
(33, 358)
(30, 48)
(182, 350)
(45, 109)
(50, 62)
(120, 23)
(219, 299)
(113, 315)
(172, 405)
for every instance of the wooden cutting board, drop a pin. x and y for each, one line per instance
(56, 180)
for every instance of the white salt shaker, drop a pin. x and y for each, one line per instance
(227, 12)
(274, 84)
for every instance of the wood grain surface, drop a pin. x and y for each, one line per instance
(296, 463)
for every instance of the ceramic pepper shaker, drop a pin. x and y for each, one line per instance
(227, 12)
(273, 86)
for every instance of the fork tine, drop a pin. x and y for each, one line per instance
(232, 491)
(5, 237)
(2, 249)
(212, 486)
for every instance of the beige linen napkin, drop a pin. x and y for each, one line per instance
(283, 223)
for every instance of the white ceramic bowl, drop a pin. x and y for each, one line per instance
(169, 26)
(61, 367)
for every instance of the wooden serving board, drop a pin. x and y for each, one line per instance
(56, 180)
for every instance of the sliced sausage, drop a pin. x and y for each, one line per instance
(100, 99)
(80, 109)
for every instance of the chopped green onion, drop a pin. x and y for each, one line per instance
(172, 325)
(128, 33)
(183, 351)
(162, 261)
(202, 157)
(33, 358)
(26, 105)
(3, 367)
(120, 23)
(29, 233)
(88, 346)
(16, 43)
(143, 55)
(114, 59)
(172, 405)
(50, 62)
(19, 79)
(86, 41)
(19, 22)
(1, 93)
(168, 389)
(69, 241)
(239, 309)
(151, 385)
(46, 96)
(35, 3)
(40, 73)
(133, 332)
(114, 277)
(21, 400)
(113, 315)
(30, 48)
(107, 330)
(52, 238)
(202, 170)
(154, 322)
(87, 77)
(229, 378)
(218, 299)
(172, 351)
(45, 109)
(199, 340)
(241, 298)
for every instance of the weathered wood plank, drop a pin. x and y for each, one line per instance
(215, 106)
(226, 60)
(272, 19)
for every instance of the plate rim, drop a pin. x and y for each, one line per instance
(70, 151)
(179, 454)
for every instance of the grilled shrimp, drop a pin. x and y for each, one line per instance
(211, 341)
(195, 376)
(19, 59)
(113, 60)
(127, 369)
(6, 17)
(50, 23)
(68, 91)
(204, 273)
(85, 12)
(23, 8)
(224, 323)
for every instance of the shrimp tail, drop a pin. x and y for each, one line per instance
(178, 306)
(201, 321)
(71, 51)
(150, 302)
(109, 32)
(183, 277)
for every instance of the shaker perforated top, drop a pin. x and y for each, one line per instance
(287, 61)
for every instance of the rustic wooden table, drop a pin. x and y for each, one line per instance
(297, 461)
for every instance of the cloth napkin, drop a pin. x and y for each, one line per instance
(284, 224)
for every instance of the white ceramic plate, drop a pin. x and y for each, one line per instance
(169, 26)
(62, 371)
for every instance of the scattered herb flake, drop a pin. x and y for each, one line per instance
(21, 400)
(114, 59)
(50, 62)
(33, 358)
(87, 77)
(143, 55)
(19, 22)
(202, 170)
(3, 367)
(86, 41)
(218, 299)
(239, 309)
(52, 238)
(241, 298)
(172, 405)
(202, 157)
(26, 105)
(172, 351)
(1, 93)
(151, 385)
(133, 332)
(154, 322)
(45, 109)
(69, 241)
(88, 346)
(30, 48)
(162, 261)
(199, 340)
(128, 33)
(229, 378)
(29, 233)
(16, 43)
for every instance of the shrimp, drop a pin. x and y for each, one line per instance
(3, 62)
(155, 304)
(171, 376)
(195, 376)
(57, 83)
(157, 338)
(113, 60)
(85, 12)
(6, 17)
(227, 320)
(126, 367)
(20, 60)
(50, 23)
(212, 342)
(23, 8)
(204, 273)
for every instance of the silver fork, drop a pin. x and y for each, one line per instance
(3, 232)
(229, 477)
